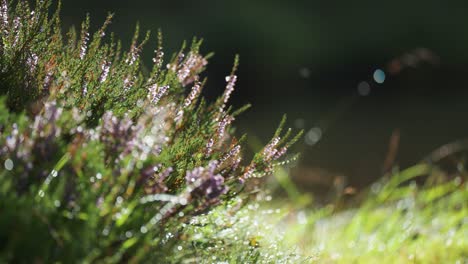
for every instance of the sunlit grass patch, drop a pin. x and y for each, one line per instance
(398, 221)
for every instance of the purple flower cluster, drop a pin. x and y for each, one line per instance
(44, 128)
(84, 44)
(187, 70)
(193, 95)
(158, 57)
(205, 182)
(133, 55)
(117, 135)
(4, 17)
(141, 139)
(270, 153)
(105, 67)
(155, 93)
(32, 61)
(231, 83)
(226, 121)
(23, 147)
(270, 150)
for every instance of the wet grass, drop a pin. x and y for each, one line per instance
(395, 221)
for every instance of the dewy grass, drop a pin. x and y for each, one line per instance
(397, 221)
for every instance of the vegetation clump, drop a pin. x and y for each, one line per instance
(103, 161)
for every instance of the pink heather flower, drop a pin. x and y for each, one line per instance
(232, 153)
(39, 138)
(186, 67)
(205, 183)
(158, 57)
(173, 66)
(16, 27)
(222, 125)
(32, 61)
(117, 135)
(4, 16)
(128, 83)
(49, 117)
(47, 80)
(248, 172)
(105, 67)
(270, 150)
(194, 93)
(84, 45)
(155, 93)
(180, 58)
(133, 55)
(187, 70)
(236, 163)
(231, 82)
(33, 18)
(280, 153)
(192, 64)
(209, 146)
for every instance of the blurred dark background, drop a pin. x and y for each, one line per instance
(315, 61)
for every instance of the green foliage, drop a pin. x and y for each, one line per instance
(103, 161)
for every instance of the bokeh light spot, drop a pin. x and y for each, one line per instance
(299, 123)
(379, 76)
(304, 72)
(313, 136)
(8, 164)
(363, 88)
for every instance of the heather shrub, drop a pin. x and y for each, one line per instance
(102, 161)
